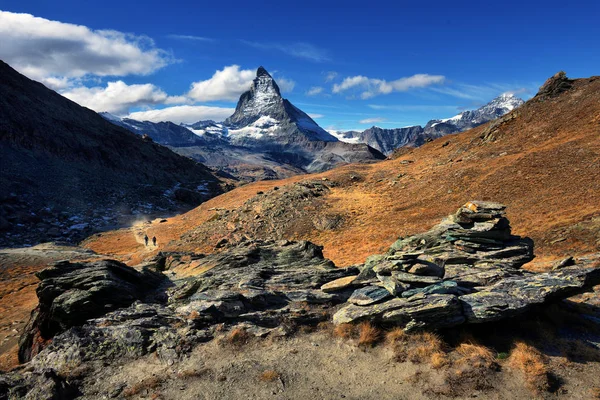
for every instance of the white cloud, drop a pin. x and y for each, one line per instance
(226, 84)
(53, 51)
(229, 83)
(316, 116)
(331, 75)
(118, 97)
(285, 85)
(303, 50)
(190, 37)
(315, 90)
(183, 114)
(371, 120)
(484, 92)
(373, 87)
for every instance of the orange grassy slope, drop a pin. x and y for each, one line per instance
(543, 161)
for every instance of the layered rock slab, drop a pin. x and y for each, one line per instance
(464, 270)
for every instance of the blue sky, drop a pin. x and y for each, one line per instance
(350, 66)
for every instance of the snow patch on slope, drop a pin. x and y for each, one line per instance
(264, 126)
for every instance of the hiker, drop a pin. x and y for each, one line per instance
(154, 240)
(146, 240)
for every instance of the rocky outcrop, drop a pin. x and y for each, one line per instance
(71, 293)
(555, 85)
(464, 270)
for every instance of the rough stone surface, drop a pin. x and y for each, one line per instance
(465, 269)
(368, 295)
(338, 284)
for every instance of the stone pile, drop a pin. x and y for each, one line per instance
(464, 270)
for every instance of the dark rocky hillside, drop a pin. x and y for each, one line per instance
(66, 171)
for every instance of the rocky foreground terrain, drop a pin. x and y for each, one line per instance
(95, 317)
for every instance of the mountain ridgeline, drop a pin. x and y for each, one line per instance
(67, 172)
(267, 137)
(387, 140)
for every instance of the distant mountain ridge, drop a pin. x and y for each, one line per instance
(387, 140)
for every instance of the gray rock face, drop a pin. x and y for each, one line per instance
(368, 295)
(387, 140)
(256, 283)
(71, 293)
(464, 270)
(554, 86)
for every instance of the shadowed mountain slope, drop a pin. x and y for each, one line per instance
(66, 170)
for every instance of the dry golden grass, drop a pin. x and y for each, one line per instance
(471, 368)
(396, 335)
(368, 335)
(439, 359)
(193, 315)
(269, 376)
(475, 355)
(595, 393)
(236, 337)
(146, 384)
(423, 346)
(344, 331)
(529, 361)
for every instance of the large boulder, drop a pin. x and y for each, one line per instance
(71, 293)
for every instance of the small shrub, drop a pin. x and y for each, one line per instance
(369, 335)
(345, 331)
(595, 393)
(423, 345)
(472, 369)
(438, 360)
(238, 337)
(269, 376)
(532, 364)
(475, 355)
(396, 335)
(193, 373)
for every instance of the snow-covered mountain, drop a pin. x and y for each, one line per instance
(496, 108)
(387, 140)
(262, 112)
(266, 133)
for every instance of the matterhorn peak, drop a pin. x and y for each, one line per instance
(261, 71)
(263, 99)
